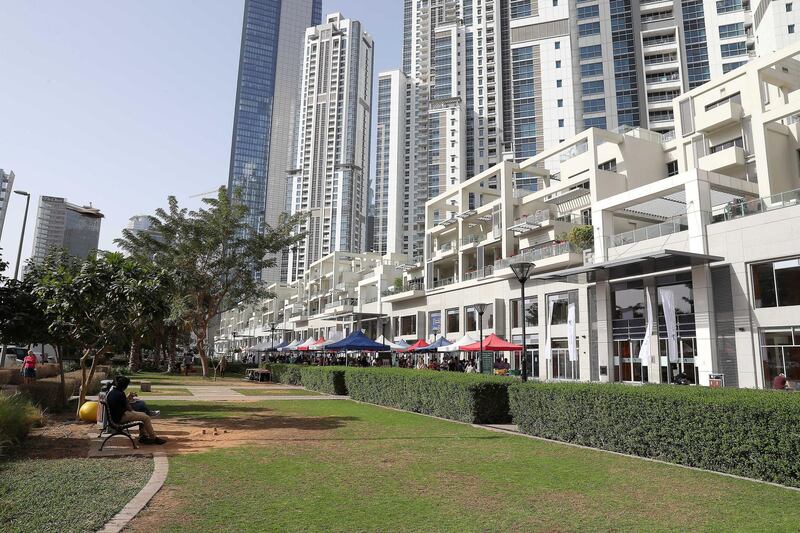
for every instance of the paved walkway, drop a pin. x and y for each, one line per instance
(226, 393)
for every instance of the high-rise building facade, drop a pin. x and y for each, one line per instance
(266, 102)
(495, 79)
(6, 186)
(330, 175)
(61, 225)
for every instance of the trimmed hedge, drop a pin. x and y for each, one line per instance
(325, 379)
(286, 374)
(750, 433)
(472, 398)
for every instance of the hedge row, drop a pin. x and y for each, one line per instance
(749, 433)
(464, 397)
(325, 379)
(286, 374)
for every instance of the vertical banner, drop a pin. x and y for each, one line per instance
(571, 340)
(644, 350)
(668, 304)
(548, 352)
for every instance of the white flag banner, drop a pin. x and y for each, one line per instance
(571, 340)
(548, 351)
(668, 304)
(644, 351)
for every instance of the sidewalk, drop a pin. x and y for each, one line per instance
(226, 393)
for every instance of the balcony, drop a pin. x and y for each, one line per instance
(668, 227)
(740, 209)
(479, 273)
(723, 160)
(719, 117)
(537, 254)
(531, 222)
(342, 305)
(469, 241)
(414, 289)
(437, 283)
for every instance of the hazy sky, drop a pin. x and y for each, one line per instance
(122, 103)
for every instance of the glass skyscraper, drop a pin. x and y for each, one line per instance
(266, 102)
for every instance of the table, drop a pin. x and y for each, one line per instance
(257, 374)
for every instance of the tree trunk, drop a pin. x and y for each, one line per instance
(173, 348)
(135, 359)
(201, 350)
(85, 380)
(62, 388)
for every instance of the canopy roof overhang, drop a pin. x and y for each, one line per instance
(638, 265)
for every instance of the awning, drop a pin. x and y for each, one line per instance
(492, 343)
(638, 265)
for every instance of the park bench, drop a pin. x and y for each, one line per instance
(115, 429)
(257, 374)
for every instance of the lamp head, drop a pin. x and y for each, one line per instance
(522, 270)
(23, 193)
(481, 308)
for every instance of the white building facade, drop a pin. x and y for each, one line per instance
(6, 187)
(329, 179)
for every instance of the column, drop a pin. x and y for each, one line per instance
(654, 370)
(706, 357)
(605, 342)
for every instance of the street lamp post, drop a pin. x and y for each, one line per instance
(22, 234)
(480, 308)
(522, 271)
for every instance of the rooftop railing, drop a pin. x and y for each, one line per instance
(443, 282)
(410, 286)
(537, 254)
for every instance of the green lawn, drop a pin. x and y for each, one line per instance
(193, 380)
(277, 392)
(344, 466)
(65, 495)
(160, 391)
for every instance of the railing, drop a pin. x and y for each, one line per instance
(668, 227)
(411, 286)
(667, 39)
(662, 78)
(739, 209)
(344, 301)
(537, 254)
(446, 247)
(442, 282)
(660, 59)
(574, 151)
(472, 274)
(470, 240)
(539, 217)
(668, 136)
(370, 299)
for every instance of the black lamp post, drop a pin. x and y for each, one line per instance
(522, 271)
(480, 308)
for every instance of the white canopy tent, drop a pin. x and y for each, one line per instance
(456, 346)
(292, 346)
(390, 344)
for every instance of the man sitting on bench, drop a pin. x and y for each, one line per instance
(121, 412)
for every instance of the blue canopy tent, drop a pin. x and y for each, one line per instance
(278, 347)
(434, 346)
(357, 342)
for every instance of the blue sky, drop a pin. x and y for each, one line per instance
(123, 103)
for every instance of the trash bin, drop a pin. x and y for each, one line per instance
(105, 386)
(716, 381)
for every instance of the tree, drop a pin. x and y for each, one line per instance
(86, 302)
(211, 254)
(582, 237)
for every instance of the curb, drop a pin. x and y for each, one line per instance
(122, 518)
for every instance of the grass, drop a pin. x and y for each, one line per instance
(66, 495)
(193, 380)
(277, 392)
(345, 466)
(158, 391)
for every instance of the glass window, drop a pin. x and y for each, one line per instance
(597, 105)
(470, 319)
(452, 321)
(585, 12)
(731, 30)
(531, 312)
(408, 325)
(780, 353)
(592, 87)
(562, 367)
(777, 283)
(592, 69)
(435, 322)
(561, 303)
(590, 52)
(591, 28)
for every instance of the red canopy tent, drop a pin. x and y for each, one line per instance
(419, 344)
(313, 346)
(492, 343)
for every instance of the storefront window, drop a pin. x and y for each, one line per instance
(408, 325)
(561, 303)
(562, 367)
(470, 318)
(780, 352)
(452, 321)
(531, 312)
(777, 283)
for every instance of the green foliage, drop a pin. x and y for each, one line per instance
(17, 417)
(325, 379)
(745, 432)
(465, 397)
(286, 374)
(581, 236)
(211, 254)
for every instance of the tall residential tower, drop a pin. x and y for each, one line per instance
(330, 176)
(6, 185)
(266, 102)
(61, 225)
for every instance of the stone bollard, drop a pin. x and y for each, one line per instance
(145, 386)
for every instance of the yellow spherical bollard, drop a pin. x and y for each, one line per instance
(88, 412)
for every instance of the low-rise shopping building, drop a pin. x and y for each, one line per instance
(654, 255)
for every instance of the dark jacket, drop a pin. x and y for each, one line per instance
(117, 403)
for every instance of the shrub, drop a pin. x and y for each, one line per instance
(749, 433)
(286, 374)
(470, 398)
(17, 417)
(8, 375)
(325, 379)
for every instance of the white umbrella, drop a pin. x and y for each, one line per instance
(391, 345)
(456, 346)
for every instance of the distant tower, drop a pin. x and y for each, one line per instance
(6, 185)
(66, 226)
(329, 180)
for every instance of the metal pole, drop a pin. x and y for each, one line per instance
(22, 235)
(524, 338)
(480, 328)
